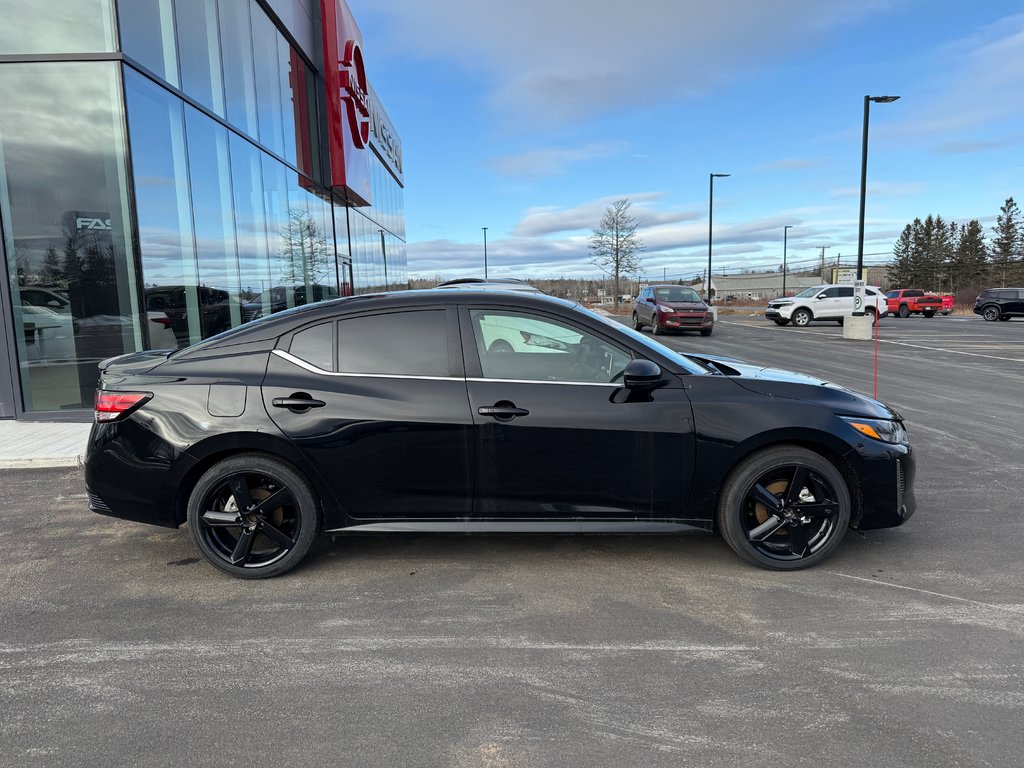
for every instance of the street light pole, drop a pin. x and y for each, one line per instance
(384, 253)
(711, 209)
(864, 175)
(785, 243)
(485, 251)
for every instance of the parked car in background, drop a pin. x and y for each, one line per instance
(276, 299)
(1000, 303)
(389, 412)
(213, 306)
(824, 302)
(904, 302)
(948, 301)
(672, 308)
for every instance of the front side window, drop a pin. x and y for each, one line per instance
(515, 345)
(830, 293)
(401, 343)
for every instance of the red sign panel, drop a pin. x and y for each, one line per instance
(348, 102)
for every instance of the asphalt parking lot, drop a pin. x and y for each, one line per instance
(119, 647)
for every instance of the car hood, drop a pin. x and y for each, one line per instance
(777, 382)
(685, 306)
(779, 302)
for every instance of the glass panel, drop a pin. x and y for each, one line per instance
(69, 26)
(250, 228)
(64, 212)
(147, 35)
(199, 52)
(157, 127)
(239, 72)
(404, 343)
(520, 346)
(275, 204)
(213, 221)
(269, 101)
(315, 345)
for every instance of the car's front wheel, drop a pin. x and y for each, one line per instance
(637, 325)
(655, 328)
(801, 317)
(253, 516)
(991, 313)
(784, 508)
(781, 321)
(705, 331)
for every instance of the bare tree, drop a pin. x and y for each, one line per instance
(614, 245)
(305, 250)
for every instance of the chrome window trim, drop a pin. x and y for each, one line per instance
(313, 369)
(548, 381)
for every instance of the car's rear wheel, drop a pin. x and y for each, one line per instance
(253, 516)
(991, 313)
(801, 317)
(904, 311)
(637, 325)
(928, 312)
(784, 508)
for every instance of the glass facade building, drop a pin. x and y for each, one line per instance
(167, 172)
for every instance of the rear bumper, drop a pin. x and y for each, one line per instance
(133, 474)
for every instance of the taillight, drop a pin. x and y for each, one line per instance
(111, 406)
(164, 321)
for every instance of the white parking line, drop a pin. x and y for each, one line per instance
(884, 341)
(1009, 609)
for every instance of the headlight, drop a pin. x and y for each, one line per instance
(663, 308)
(880, 429)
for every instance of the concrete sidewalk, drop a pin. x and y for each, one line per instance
(27, 444)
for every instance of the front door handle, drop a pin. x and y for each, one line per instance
(299, 402)
(502, 410)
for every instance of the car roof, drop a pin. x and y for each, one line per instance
(495, 283)
(279, 323)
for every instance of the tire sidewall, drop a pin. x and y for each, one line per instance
(735, 489)
(305, 501)
(801, 318)
(991, 313)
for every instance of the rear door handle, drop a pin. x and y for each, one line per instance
(502, 411)
(297, 402)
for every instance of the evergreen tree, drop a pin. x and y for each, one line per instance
(1007, 242)
(900, 268)
(969, 257)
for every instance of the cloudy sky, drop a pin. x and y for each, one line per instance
(530, 117)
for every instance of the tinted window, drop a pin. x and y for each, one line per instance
(315, 345)
(679, 293)
(846, 292)
(404, 343)
(831, 293)
(869, 292)
(913, 294)
(892, 294)
(514, 345)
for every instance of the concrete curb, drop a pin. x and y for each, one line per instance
(43, 462)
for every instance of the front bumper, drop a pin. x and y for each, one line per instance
(886, 475)
(777, 313)
(684, 321)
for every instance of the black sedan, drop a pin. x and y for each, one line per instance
(482, 411)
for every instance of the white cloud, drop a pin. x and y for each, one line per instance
(559, 61)
(877, 188)
(584, 217)
(551, 162)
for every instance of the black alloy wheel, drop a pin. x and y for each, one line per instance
(253, 516)
(784, 508)
(904, 311)
(637, 325)
(991, 313)
(801, 317)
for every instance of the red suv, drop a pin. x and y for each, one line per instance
(672, 308)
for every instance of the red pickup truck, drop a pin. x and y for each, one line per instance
(905, 302)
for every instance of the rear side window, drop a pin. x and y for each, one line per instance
(913, 294)
(402, 343)
(315, 345)
(846, 292)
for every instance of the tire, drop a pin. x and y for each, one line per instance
(265, 543)
(904, 311)
(874, 316)
(1004, 318)
(945, 312)
(801, 317)
(706, 331)
(928, 312)
(655, 328)
(781, 321)
(637, 325)
(991, 313)
(778, 537)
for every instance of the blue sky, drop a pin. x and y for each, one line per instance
(530, 117)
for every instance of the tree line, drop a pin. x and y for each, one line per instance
(957, 258)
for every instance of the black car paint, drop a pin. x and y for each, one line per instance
(602, 453)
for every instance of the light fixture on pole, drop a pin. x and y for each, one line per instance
(864, 176)
(711, 207)
(384, 253)
(485, 251)
(785, 242)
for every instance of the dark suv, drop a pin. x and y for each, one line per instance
(1000, 303)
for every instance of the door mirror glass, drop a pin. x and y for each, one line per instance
(641, 374)
(650, 300)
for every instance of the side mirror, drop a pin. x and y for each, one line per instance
(651, 300)
(820, 296)
(642, 374)
(53, 303)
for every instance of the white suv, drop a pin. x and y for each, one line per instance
(824, 302)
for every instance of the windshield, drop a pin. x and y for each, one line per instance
(682, 361)
(807, 293)
(676, 294)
